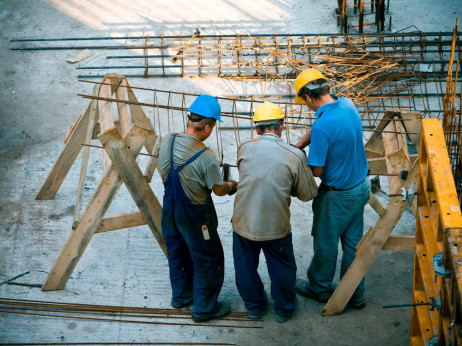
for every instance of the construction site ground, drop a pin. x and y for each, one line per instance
(126, 267)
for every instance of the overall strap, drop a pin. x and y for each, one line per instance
(191, 159)
(171, 152)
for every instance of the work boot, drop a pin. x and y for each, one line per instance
(357, 304)
(178, 305)
(303, 289)
(283, 316)
(221, 310)
(257, 312)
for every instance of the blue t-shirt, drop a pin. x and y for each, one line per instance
(337, 144)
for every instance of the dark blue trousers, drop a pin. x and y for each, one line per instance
(196, 260)
(282, 269)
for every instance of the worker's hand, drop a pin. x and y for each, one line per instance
(293, 145)
(233, 187)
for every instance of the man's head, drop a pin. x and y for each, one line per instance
(204, 113)
(310, 86)
(268, 118)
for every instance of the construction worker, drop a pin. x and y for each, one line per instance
(190, 171)
(338, 157)
(270, 172)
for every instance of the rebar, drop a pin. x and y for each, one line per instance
(69, 310)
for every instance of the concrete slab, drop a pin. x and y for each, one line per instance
(126, 267)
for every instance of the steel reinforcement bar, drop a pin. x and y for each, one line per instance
(255, 56)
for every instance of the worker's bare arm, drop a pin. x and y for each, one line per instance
(221, 190)
(317, 171)
(304, 141)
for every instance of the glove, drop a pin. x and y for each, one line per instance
(234, 188)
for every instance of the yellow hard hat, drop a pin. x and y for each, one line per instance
(304, 78)
(267, 111)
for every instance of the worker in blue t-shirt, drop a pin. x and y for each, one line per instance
(338, 157)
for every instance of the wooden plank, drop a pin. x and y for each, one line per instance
(152, 164)
(72, 128)
(125, 120)
(91, 218)
(134, 180)
(136, 111)
(128, 220)
(394, 142)
(376, 205)
(379, 166)
(371, 154)
(83, 168)
(365, 239)
(106, 118)
(413, 126)
(368, 252)
(66, 158)
(397, 162)
(374, 145)
(400, 243)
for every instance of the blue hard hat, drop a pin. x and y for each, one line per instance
(206, 106)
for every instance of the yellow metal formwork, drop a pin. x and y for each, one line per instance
(438, 233)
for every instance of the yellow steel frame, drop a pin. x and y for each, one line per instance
(438, 230)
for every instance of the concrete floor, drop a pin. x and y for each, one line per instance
(126, 267)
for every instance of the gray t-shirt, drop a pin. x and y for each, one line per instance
(270, 172)
(199, 176)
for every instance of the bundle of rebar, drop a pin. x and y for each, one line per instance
(119, 314)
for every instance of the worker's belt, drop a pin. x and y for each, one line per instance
(324, 187)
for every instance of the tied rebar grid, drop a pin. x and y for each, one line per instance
(248, 56)
(452, 117)
(168, 112)
(377, 72)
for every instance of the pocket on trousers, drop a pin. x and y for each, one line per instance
(343, 204)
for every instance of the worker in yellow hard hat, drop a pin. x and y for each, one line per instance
(336, 155)
(270, 172)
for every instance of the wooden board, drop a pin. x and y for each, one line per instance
(378, 165)
(376, 205)
(127, 220)
(106, 118)
(133, 178)
(368, 251)
(91, 218)
(397, 162)
(125, 120)
(394, 142)
(67, 157)
(400, 243)
(413, 126)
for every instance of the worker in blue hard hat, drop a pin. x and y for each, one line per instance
(190, 171)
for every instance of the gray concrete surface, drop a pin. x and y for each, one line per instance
(126, 267)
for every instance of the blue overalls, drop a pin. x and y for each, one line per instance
(195, 258)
